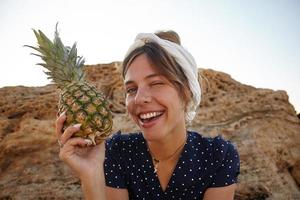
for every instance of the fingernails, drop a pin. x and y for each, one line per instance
(62, 114)
(88, 142)
(77, 125)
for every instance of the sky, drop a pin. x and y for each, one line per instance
(257, 42)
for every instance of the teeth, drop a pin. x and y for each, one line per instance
(149, 115)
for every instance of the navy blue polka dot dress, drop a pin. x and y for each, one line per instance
(203, 163)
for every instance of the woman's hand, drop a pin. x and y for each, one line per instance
(84, 159)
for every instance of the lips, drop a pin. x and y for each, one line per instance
(148, 119)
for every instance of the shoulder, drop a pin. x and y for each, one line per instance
(224, 149)
(216, 147)
(220, 159)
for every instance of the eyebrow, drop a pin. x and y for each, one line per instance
(147, 77)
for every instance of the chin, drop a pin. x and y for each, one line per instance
(153, 135)
(150, 137)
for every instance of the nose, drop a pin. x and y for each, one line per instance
(143, 96)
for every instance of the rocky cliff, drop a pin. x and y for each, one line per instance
(261, 122)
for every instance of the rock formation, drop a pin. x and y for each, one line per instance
(260, 122)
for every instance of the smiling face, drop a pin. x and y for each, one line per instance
(153, 101)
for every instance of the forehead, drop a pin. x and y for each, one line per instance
(140, 68)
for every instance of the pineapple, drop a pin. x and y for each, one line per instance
(81, 101)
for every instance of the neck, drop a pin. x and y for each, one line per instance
(163, 149)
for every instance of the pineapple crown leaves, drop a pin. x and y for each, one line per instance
(62, 62)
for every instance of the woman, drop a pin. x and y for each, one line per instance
(164, 160)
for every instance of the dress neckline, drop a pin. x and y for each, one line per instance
(154, 175)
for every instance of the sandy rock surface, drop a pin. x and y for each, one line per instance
(260, 122)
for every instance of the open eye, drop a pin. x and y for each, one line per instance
(130, 90)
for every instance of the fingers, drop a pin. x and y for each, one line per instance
(80, 142)
(60, 123)
(64, 136)
(69, 132)
(70, 145)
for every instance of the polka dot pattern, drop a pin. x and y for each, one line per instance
(204, 162)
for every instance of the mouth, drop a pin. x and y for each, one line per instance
(148, 117)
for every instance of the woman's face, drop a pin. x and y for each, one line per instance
(152, 101)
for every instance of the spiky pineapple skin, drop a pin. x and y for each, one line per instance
(84, 105)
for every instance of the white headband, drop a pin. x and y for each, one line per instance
(183, 58)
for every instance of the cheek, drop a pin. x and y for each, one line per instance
(178, 101)
(130, 108)
(129, 105)
(126, 102)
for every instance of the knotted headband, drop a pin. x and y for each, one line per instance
(183, 58)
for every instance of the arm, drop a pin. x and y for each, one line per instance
(93, 187)
(116, 194)
(216, 193)
(86, 161)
